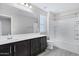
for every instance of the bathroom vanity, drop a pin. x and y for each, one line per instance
(23, 44)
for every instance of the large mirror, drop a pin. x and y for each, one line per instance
(5, 25)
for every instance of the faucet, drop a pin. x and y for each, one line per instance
(9, 36)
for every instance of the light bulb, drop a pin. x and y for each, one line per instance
(22, 3)
(30, 6)
(27, 5)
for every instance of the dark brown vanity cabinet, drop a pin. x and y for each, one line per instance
(29, 47)
(22, 48)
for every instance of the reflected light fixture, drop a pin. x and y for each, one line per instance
(28, 5)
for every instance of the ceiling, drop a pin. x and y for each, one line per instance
(57, 7)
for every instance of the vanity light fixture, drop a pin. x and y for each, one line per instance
(28, 5)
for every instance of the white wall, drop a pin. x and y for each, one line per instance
(21, 20)
(51, 25)
(0, 28)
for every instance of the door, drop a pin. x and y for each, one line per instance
(5, 50)
(35, 46)
(22, 48)
(43, 43)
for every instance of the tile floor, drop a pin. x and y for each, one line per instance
(57, 52)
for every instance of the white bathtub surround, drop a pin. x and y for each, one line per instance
(66, 32)
(19, 37)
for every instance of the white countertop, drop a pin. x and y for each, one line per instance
(19, 37)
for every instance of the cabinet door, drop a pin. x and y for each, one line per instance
(22, 48)
(35, 46)
(43, 43)
(5, 50)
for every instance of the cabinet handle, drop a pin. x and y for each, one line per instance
(14, 48)
(10, 49)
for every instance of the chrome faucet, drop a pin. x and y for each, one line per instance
(9, 36)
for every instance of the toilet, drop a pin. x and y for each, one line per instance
(50, 44)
